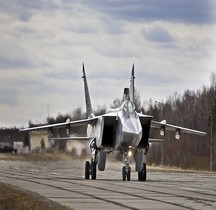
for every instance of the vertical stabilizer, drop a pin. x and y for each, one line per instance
(87, 96)
(132, 85)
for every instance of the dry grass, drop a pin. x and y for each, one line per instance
(14, 198)
(171, 169)
(53, 156)
(57, 156)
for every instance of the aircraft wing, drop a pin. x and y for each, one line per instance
(156, 140)
(64, 124)
(163, 126)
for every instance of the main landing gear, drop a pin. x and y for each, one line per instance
(142, 173)
(99, 157)
(91, 168)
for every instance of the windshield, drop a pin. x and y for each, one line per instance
(129, 107)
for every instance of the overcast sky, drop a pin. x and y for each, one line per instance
(43, 44)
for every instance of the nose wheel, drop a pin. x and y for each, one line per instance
(126, 170)
(126, 173)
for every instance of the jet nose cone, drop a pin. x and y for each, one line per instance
(132, 132)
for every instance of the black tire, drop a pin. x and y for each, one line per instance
(87, 167)
(93, 170)
(101, 160)
(142, 173)
(124, 174)
(129, 174)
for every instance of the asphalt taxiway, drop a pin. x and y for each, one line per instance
(64, 182)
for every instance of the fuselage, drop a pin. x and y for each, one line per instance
(129, 129)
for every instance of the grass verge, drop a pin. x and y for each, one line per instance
(15, 198)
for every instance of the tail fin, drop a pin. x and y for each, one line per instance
(132, 85)
(87, 96)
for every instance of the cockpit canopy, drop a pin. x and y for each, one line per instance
(129, 107)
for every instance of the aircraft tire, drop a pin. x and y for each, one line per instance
(142, 173)
(87, 167)
(124, 174)
(94, 170)
(101, 160)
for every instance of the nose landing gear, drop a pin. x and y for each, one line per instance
(126, 170)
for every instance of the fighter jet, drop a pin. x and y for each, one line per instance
(121, 129)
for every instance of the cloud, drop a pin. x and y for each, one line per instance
(159, 35)
(8, 97)
(198, 12)
(44, 43)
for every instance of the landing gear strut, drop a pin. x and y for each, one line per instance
(90, 168)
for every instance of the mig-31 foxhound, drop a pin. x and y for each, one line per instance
(121, 129)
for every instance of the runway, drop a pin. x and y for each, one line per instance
(64, 182)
